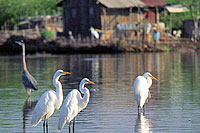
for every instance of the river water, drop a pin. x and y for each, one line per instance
(174, 105)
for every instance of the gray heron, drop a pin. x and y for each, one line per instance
(27, 79)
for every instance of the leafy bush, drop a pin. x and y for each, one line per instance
(46, 34)
(166, 48)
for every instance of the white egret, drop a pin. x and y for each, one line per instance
(94, 33)
(141, 88)
(48, 102)
(73, 104)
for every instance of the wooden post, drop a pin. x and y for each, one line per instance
(129, 24)
(139, 27)
(6, 31)
(157, 15)
(130, 15)
(170, 23)
(104, 21)
(157, 21)
(129, 18)
(195, 21)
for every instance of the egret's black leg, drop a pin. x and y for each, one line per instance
(44, 126)
(138, 109)
(69, 126)
(73, 124)
(47, 125)
(143, 109)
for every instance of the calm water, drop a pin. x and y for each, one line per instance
(174, 106)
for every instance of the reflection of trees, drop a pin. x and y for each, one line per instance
(9, 70)
(185, 79)
(27, 111)
(143, 125)
(129, 65)
(119, 71)
(178, 75)
(167, 67)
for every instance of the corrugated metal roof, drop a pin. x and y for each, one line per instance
(176, 9)
(121, 3)
(154, 3)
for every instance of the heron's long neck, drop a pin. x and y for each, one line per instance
(23, 58)
(59, 91)
(86, 96)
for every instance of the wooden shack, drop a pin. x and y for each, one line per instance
(79, 16)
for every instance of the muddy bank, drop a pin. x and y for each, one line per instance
(61, 46)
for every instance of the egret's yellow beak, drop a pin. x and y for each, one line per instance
(91, 82)
(154, 78)
(67, 73)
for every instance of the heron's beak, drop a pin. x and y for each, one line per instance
(17, 42)
(91, 82)
(154, 78)
(67, 73)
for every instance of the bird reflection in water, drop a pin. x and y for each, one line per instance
(27, 111)
(143, 124)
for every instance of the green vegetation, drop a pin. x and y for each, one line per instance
(177, 18)
(165, 48)
(12, 11)
(46, 34)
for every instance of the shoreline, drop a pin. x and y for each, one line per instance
(61, 46)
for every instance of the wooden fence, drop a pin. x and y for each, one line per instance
(138, 38)
(30, 33)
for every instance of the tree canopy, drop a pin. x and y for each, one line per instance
(11, 11)
(177, 18)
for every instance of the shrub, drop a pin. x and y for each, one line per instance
(166, 48)
(46, 34)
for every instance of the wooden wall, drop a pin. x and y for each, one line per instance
(110, 17)
(103, 18)
(82, 21)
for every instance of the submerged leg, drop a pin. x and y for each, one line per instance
(44, 126)
(69, 126)
(73, 124)
(143, 109)
(47, 125)
(28, 91)
(149, 95)
(138, 109)
(28, 101)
